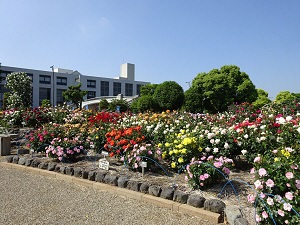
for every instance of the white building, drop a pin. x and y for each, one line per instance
(43, 86)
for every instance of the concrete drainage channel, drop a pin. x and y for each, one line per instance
(213, 210)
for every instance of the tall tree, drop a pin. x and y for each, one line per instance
(19, 85)
(219, 88)
(284, 96)
(75, 95)
(262, 99)
(169, 95)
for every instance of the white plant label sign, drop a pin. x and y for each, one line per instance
(103, 164)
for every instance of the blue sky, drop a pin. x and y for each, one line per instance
(165, 39)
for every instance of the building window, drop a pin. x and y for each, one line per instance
(61, 81)
(44, 93)
(30, 76)
(45, 79)
(3, 75)
(59, 97)
(91, 94)
(128, 89)
(138, 89)
(91, 84)
(3, 89)
(104, 88)
(117, 88)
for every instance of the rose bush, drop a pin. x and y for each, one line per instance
(278, 187)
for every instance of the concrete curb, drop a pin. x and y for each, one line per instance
(178, 207)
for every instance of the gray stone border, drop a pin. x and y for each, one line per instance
(229, 214)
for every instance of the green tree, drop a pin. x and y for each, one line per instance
(262, 99)
(148, 89)
(284, 96)
(19, 85)
(46, 103)
(103, 104)
(193, 101)
(121, 103)
(147, 103)
(219, 88)
(75, 95)
(297, 96)
(169, 95)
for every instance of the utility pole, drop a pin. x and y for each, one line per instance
(52, 85)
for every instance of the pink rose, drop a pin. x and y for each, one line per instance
(270, 201)
(262, 172)
(270, 183)
(258, 184)
(206, 175)
(218, 164)
(226, 170)
(265, 214)
(280, 212)
(287, 207)
(289, 175)
(257, 159)
(202, 177)
(289, 196)
(257, 218)
(251, 198)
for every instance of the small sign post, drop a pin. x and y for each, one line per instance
(103, 163)
(143, 165)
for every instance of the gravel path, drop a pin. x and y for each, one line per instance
(27, 198)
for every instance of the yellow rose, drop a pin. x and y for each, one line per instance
(170, 152)
(180, 160)
(183, 151)
(163, 155)
(175, 151)
(167, 144)
(173, 165)
(159, 145)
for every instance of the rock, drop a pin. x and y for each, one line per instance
(241, 221)
(144, 188)
(22, 151)
(15, 159)
(155, 190)
(232, 212)
(85, 174)
(43, 165)
(35, 163)
(28, 162)
(196, 201)
(214, 205)
(167, 193)
(69, 171)
(77, 172)
(91, 175)
(51, 166)
(180, 196)
(134, 185)
(123, 181)
(57, 168)
(100, 175)
(111, 179)
(22, 161)
(62, 169)
(9, 158)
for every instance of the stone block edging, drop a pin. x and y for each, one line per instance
(178, 203)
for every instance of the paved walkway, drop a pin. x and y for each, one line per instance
(27, 198)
